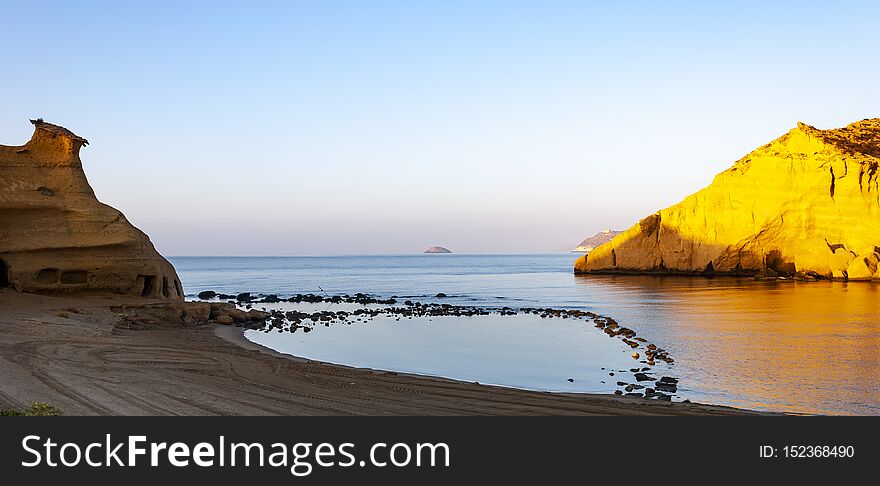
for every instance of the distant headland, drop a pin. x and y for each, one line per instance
(437, 249)
(600, 238)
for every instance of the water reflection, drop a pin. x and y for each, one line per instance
(523, 350)
(800, 347)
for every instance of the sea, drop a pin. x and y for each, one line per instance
(785, 346)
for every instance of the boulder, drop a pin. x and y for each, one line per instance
(863, 268)
(237, 315)
(221, 308)
(255, 315)
(196, 312)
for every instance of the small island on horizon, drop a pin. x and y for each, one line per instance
(437, 249)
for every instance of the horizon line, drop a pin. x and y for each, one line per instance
(374, 254)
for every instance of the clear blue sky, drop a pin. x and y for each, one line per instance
(327, 127)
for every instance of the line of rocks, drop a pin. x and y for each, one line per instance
(663, 388)
(293, 321)
(252, 298)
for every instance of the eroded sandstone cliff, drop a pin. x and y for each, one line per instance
(806, 204)
(56, 237)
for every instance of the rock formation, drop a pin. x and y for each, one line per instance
(600, 238)
(805, 205)
(437, 249)
(55, 237)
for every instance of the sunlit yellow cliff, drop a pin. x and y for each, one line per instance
(806, 205)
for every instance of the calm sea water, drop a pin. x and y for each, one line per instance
(784, 346)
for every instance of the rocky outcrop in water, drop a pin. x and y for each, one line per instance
(805, 205)
(55, 237)
(437, 249)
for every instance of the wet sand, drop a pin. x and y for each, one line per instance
(73, 354)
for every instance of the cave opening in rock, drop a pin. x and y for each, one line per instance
(165, 287)
(709, 271)
(4, 274)
(75, 277)
(149, 284)
(47, 276)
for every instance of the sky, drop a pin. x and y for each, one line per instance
(350, 127)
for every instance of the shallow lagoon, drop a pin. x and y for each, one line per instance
(523, 350)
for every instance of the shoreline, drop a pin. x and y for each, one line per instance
(282, 320)
(71, 352)
(755, 276)
(235, 335)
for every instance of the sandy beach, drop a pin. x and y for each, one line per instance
(72, 353)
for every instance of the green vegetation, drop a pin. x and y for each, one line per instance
(37, 409)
